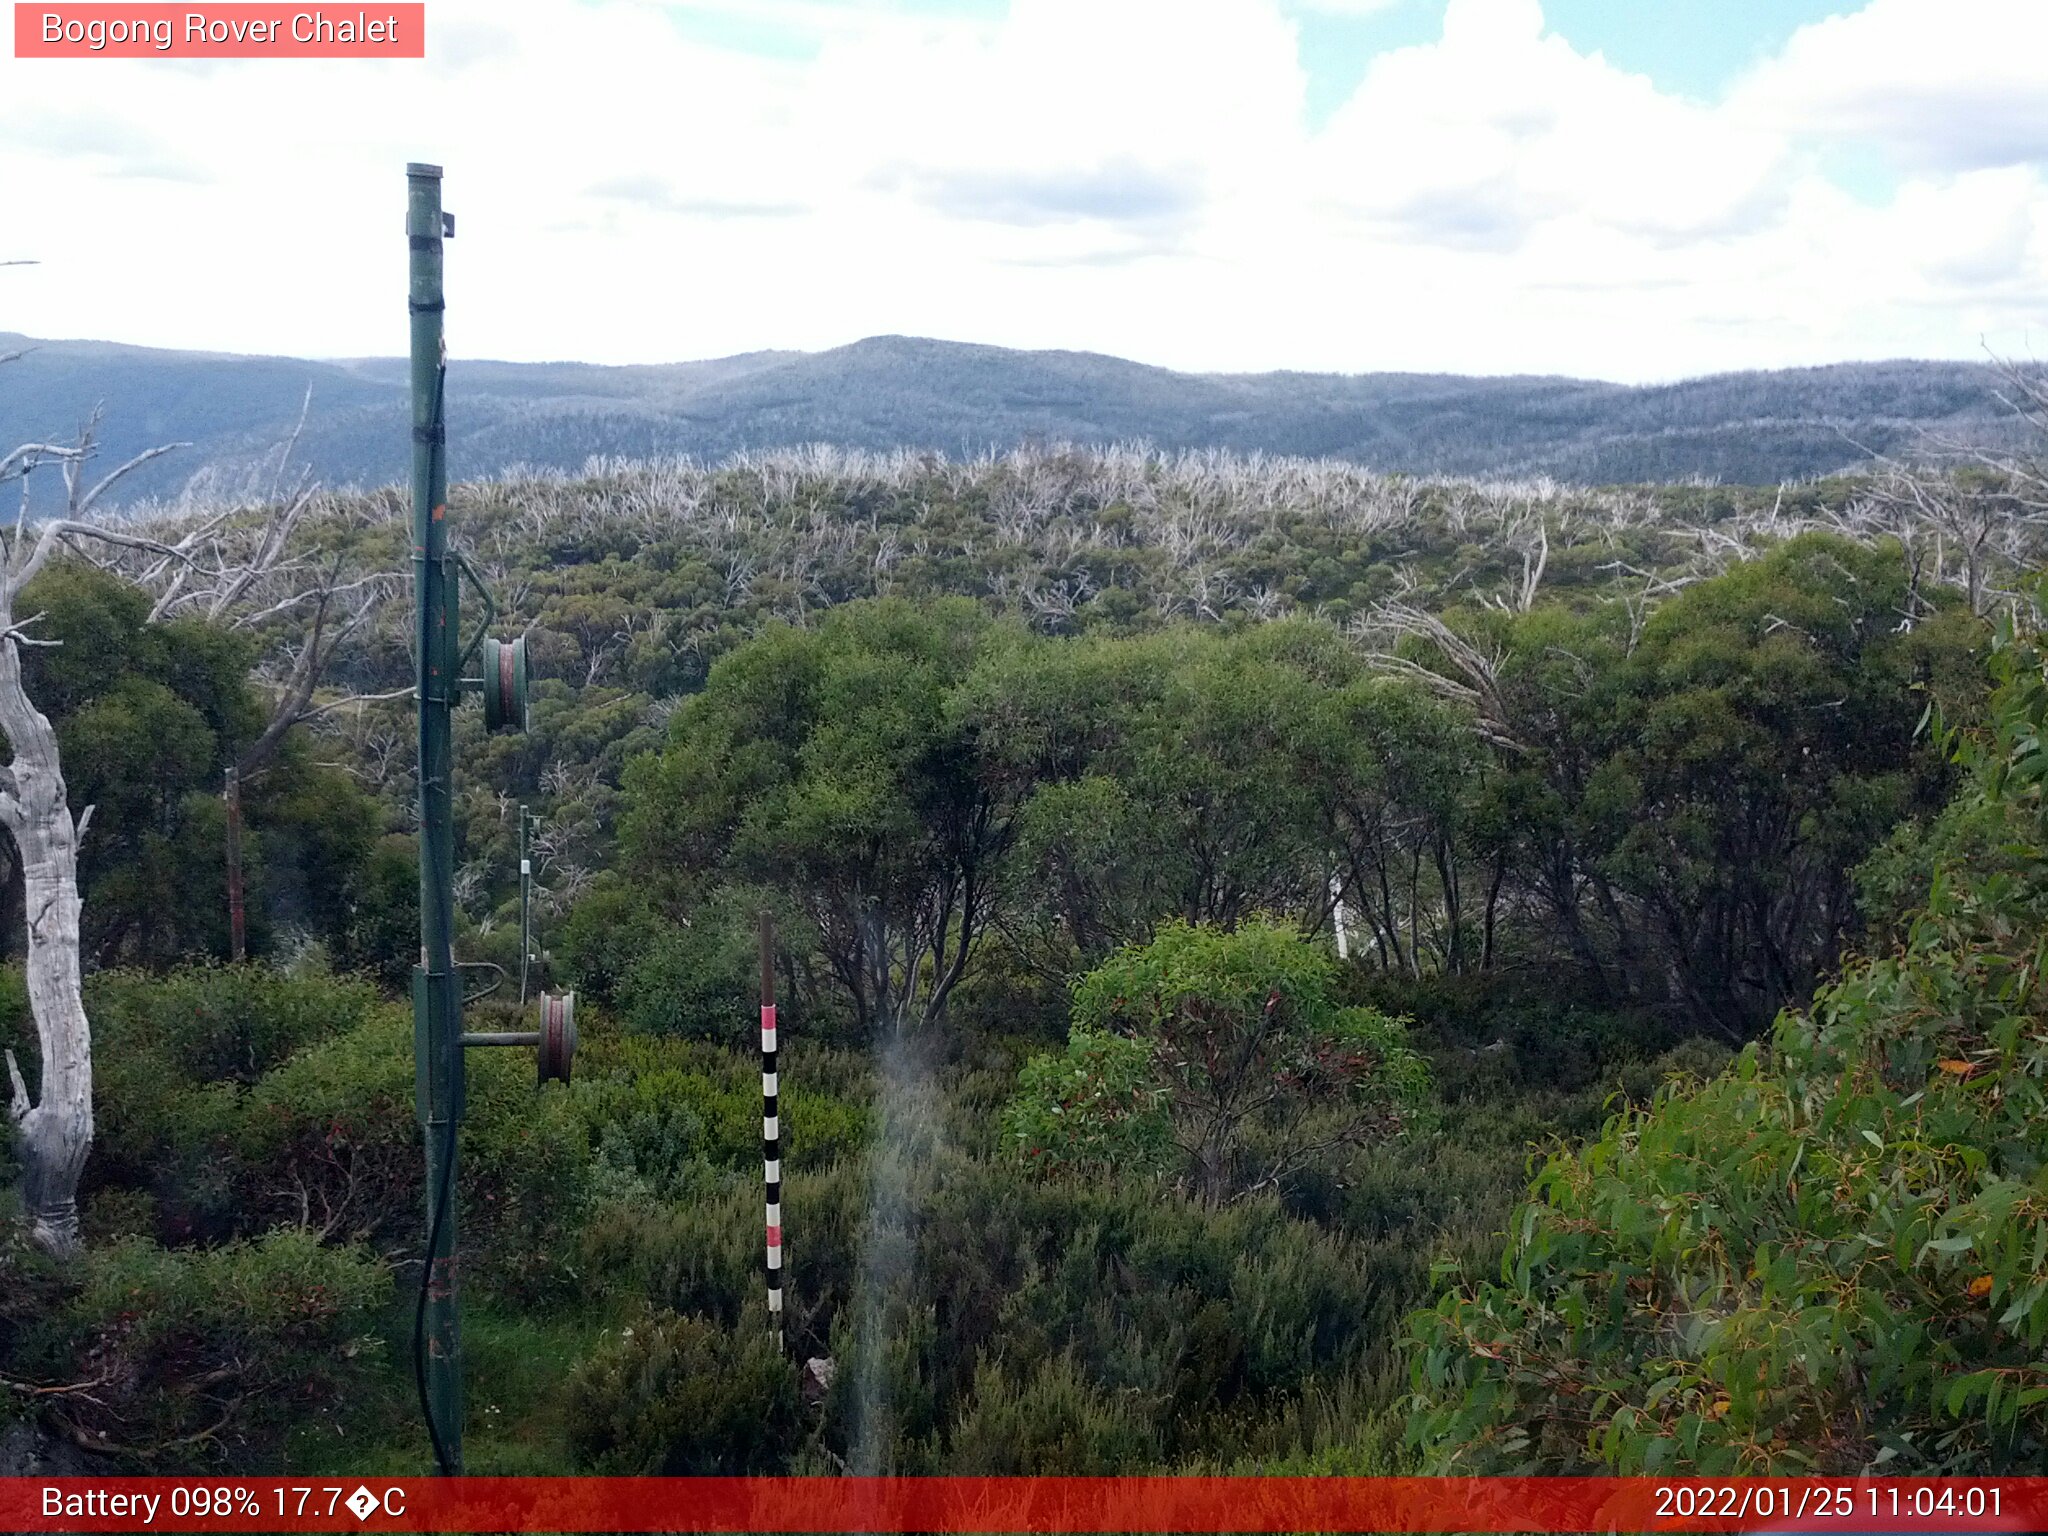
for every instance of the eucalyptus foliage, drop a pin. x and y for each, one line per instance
(1833, 1257)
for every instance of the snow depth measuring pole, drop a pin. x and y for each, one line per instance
(771, 1128)
(441, 655)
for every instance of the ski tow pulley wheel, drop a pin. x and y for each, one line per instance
(504, 667)
(557, 1035)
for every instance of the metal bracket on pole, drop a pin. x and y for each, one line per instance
(553, 1044)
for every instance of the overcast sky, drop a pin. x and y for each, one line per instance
(1628, 189)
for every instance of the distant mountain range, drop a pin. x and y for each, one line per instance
(904, 392)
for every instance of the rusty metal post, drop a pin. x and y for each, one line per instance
(238, 947)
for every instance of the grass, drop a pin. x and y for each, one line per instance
(515, 1367)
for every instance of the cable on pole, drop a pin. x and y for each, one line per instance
(444, 1458)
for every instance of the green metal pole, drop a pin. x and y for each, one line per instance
(437, 998)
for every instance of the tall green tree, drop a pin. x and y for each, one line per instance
(148, 716)
(835, 766)
(1829, 1259)
(1398, 779)
(1197, 775)
(1691, 790)
(1761, 746)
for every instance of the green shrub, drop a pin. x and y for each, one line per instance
(112, 1214)
(526, 1175)
(703, 1255)
(197, 1350)
(1205, 1327)
(608, 931)
(223, 1023)
(381, 935)
(331, 1140)
(1053, 1423)
(1353, 1426)
(17, 1023)
(1147, 1292)
(664, 1110)
(1258, 1068)
(323, 1139)
(681, 1395)
(1096, 1107)
(693, 979)
(1011, 1000)
(1498, 1037)
(172, 1055)
(700, 982)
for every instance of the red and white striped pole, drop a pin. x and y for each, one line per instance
(771, 1127)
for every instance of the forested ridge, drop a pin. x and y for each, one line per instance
(888, 392)
(1208, 891)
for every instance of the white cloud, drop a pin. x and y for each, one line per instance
(1941, 85)
(1482, 137)
(1132, 176)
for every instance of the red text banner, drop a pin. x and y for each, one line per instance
(1021, 1504)
(234, 31)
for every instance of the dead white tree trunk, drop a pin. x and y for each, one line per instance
(55, 1129)
(55, 1125)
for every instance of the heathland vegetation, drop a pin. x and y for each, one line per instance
(1208, 890)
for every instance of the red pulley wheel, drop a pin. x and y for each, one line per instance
(504, 680)
(557, 1036)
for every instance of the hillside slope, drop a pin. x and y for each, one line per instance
(903, 392)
